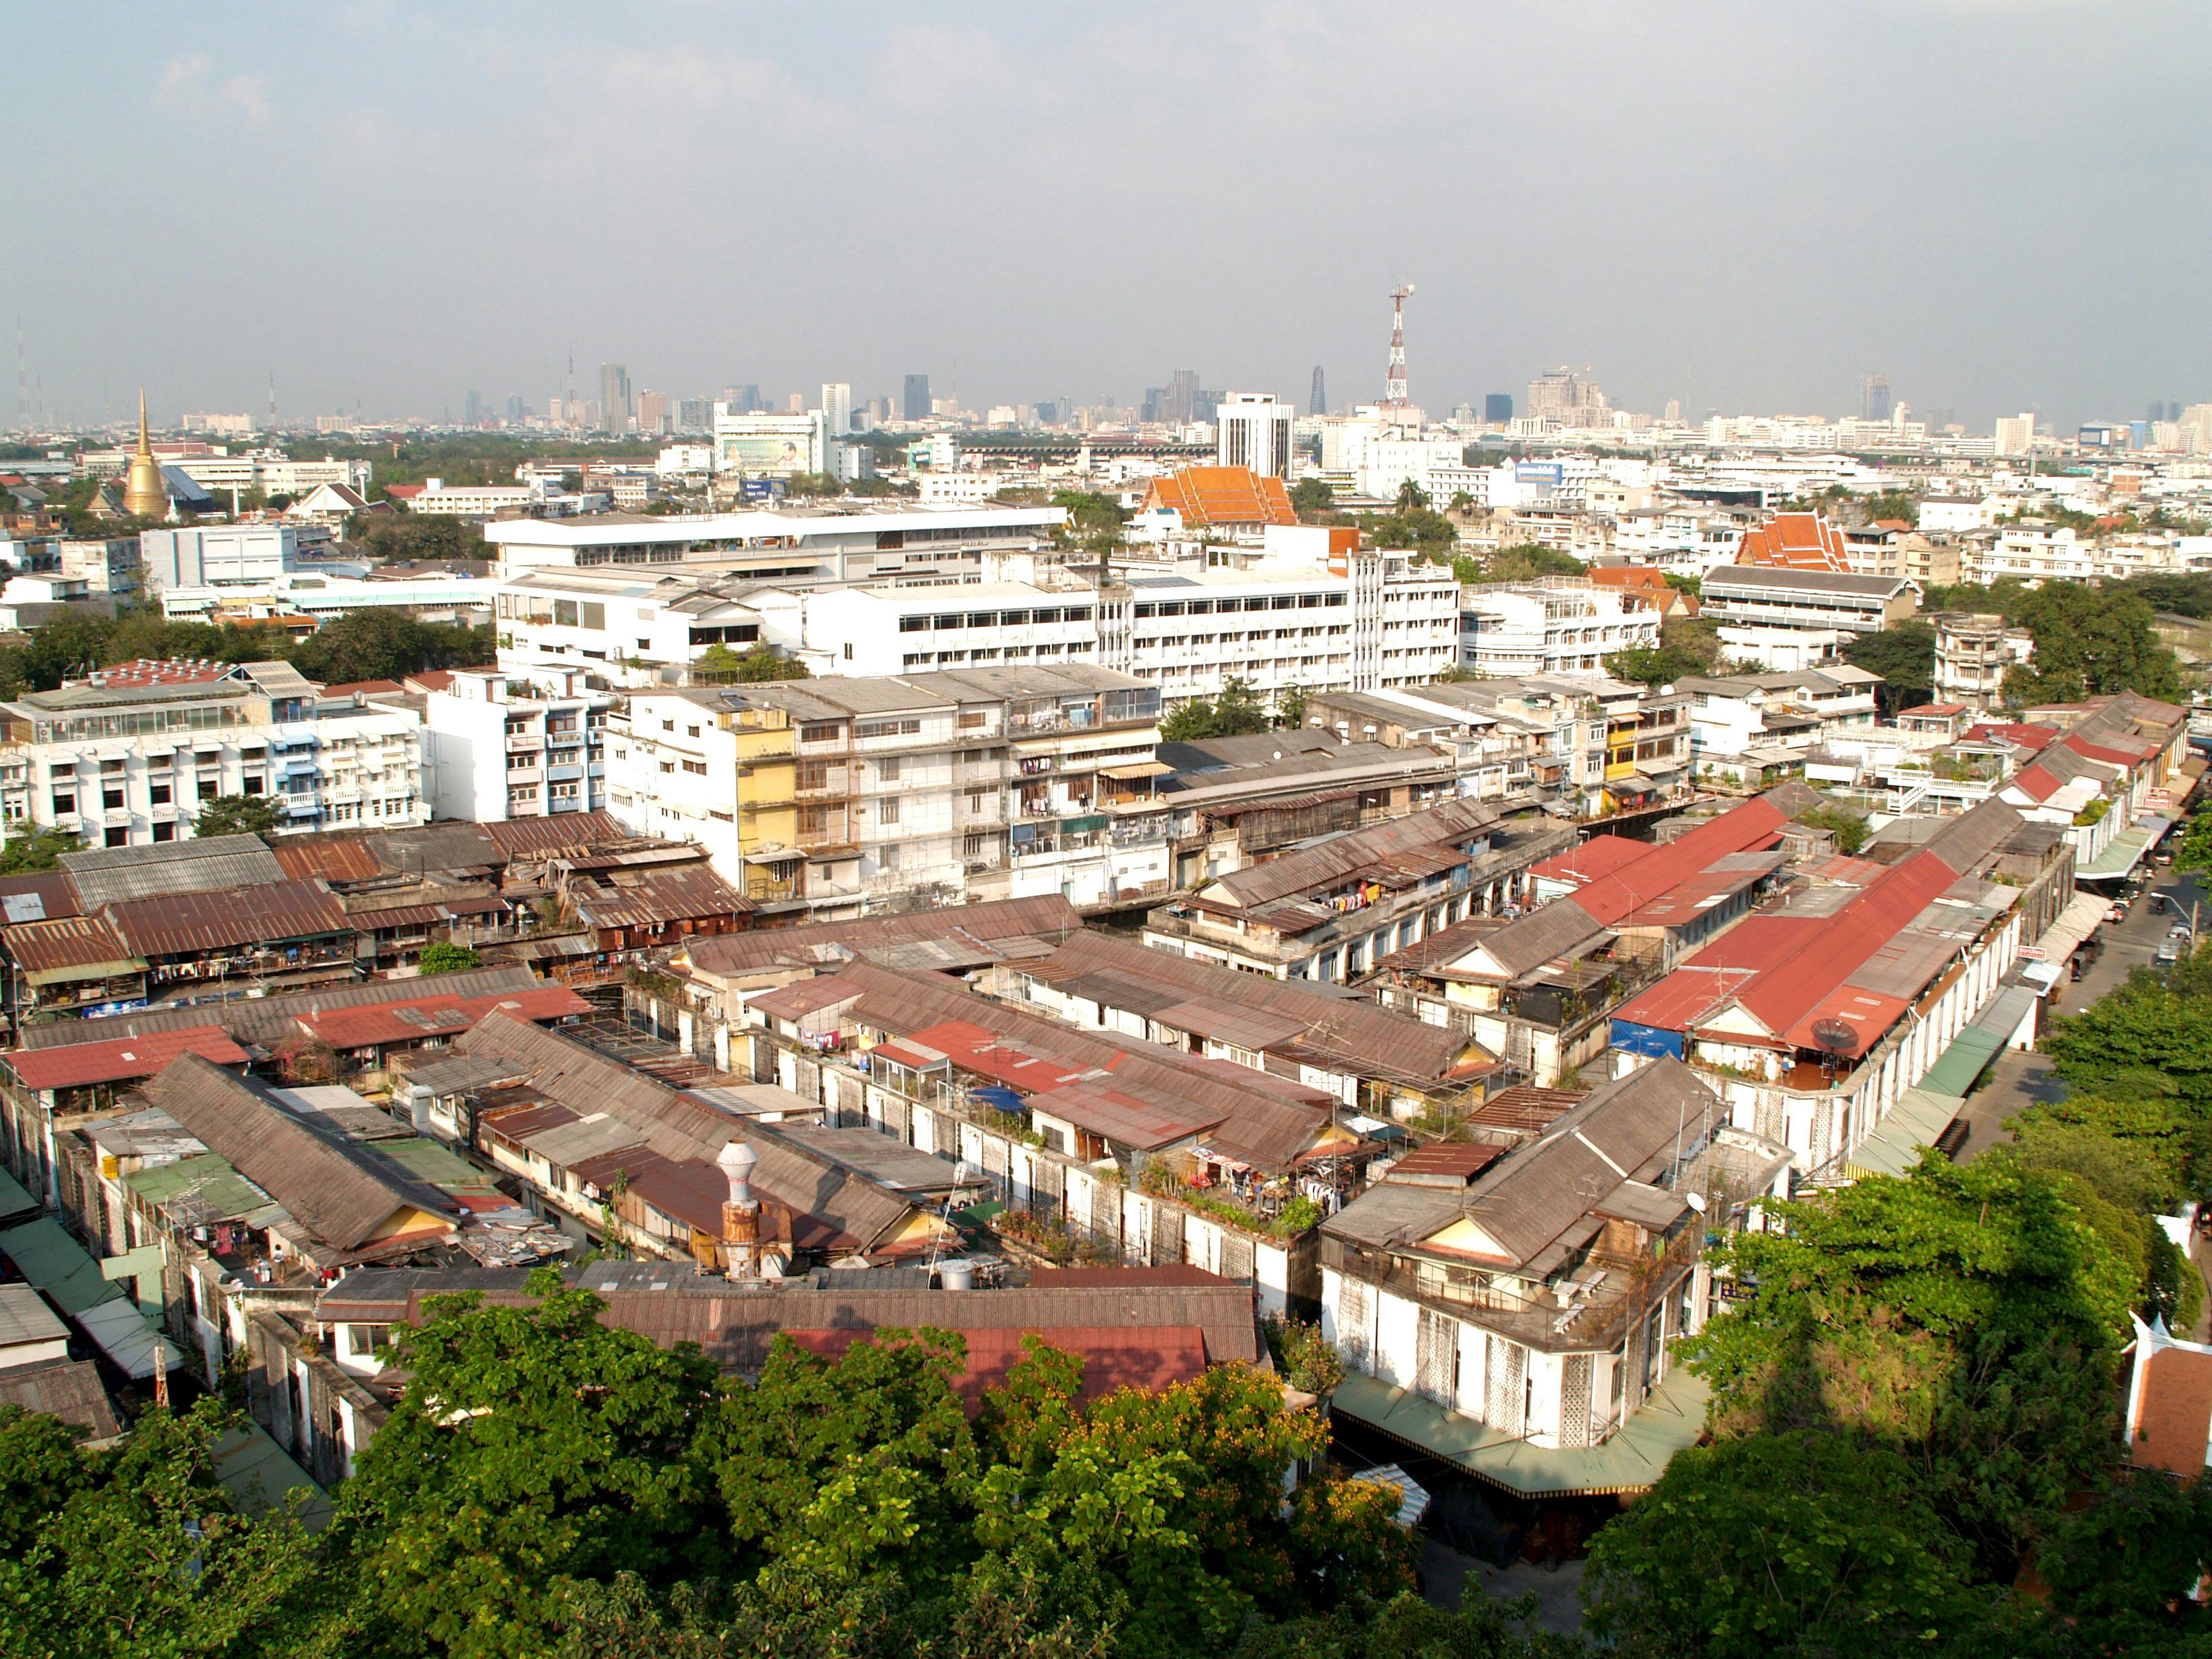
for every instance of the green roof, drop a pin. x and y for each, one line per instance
(46, 1256)
(1672, 1416)
(433, 1162)
(13, 1201)
(2121, 854)
(260, 1476)
(1920, 1115)
(223, 1194)
(1967, 1059)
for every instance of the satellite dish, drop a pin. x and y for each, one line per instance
(1836, 1036)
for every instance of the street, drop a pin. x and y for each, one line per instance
(2017, 1081)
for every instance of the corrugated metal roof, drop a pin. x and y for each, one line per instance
(1332, 862)
(54, 948)
(423, 1017)
(828, 944)
(655, 898)
(532, 839)
(210, 920)
(103, 875)
(678, 1126)
(121, 1059)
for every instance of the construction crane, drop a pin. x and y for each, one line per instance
(1394, 390)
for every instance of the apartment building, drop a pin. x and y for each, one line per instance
(849, 793)
(1818, 1019)
(502, 746)
(1782, 598)
(926, 626)
(217, 556)
(2032, 552)
(1974, 652)
(1329, 911)
(1733, 717)
(1512, 1311)
(127, 756)
(1560, 625)
(270, 474)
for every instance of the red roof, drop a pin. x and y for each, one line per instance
(1795, 541)
(362, 688)
(1752, 826)
(2036, 783)
(148, 673)
(1600, 855)
(403, 492)
(1223, 495)
(375, 1024)
(1785, 996)
(2019, 734)
(1684, 997)
(122, 1060)
(2103, 752)
(2174, 1419)
(1937, 710)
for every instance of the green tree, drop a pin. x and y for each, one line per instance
(2089, 643)
(1890, 504)
(239, 815)
(2118, 1567)
(1688, 646)
(31, 850)
(1238, 712)
(443, 957)
(1803, 1542)
(1526, 562)
(137, 1551)
(1313, 500)
(384, 644)
(1849, 828)
(534, 1447)
(752, 666)
(1904, 654)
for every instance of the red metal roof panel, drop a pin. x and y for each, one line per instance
(122, 1060)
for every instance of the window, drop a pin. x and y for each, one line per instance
(907, 727)
(367, 1341)
(690, 730)
(165, 832)
(974, 846)
(595, 615)
(697, 768)
(668, 766)
(889, 771)
(887, 811)
(522, 793)
(255, 786)
(159, 792)
(118, 838)
(819, 732)
(564, 613)
(64, 804)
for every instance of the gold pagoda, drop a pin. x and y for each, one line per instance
(144, 494)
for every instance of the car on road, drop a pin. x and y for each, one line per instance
(2169, 952)
(2117, 913)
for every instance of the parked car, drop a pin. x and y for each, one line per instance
(2117, 913)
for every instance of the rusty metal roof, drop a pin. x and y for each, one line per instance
(50, 950)
(103, 875)
(561, 832)
(270, 914)
(655, 898)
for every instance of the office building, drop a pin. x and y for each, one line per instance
(1497, 407)
(615, 406)
(2016, 434)
(217, 556)
(1254, 432)
(915, 405)
(653, 413)
(1317, 403)
(1874, 403)
(836, 408)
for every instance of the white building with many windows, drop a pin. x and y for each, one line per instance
(1560, 625)
(128, 757)
(503, 746)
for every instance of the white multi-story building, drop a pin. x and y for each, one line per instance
(2016, 434)
(476, 500)
(793, 545)
(270, 473)
(217, 556)
(760, 445)
(836, 408)
(127, 758)
(505, 747)
(627, 625)
(918, 627)
(2029, 553)
(1252, 430)
(438, 596)
(1561, 625)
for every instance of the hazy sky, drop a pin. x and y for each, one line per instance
(1744, 203)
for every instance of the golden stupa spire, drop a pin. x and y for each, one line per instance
(144, 494)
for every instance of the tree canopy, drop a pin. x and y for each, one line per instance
(1236, 713)
(443, 957)
(239, 815)
(32, 850)
(1904, 654)
(752, 666)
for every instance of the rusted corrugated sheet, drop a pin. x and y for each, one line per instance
(268, 914)
(46, 947)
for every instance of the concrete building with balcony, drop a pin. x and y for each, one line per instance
(1799, 600)
(127, 756)
(1974, 652)
(1560, 625)
(1330, 911)
(502, 746)
(1514, 1312)
(852, 794)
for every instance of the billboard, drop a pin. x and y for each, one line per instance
(775, 445)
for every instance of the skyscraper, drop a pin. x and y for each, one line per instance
(1874, 398)
(1498, 408)
(472, 409)
(916, 405)
(615, 407)
(837, 407)
(1255, 431)
(1318, 402)
(1181, 404)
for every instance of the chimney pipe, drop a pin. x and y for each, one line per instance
(740, 1212)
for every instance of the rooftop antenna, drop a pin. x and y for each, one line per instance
(22, 378)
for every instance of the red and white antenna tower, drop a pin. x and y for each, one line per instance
(1394, 389)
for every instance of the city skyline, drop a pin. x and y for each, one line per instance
(654, 189)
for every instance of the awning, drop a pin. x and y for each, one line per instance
(1129, 772)
(116, 969)
(1672, 1417)
(2122, 853)
(2075, 923)
(1964, 1060)
(261, 1476)
(121, 1333)
(15, 1204)
(1918, 1118)
(46, 1256)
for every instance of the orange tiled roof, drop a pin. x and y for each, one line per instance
(1795, 541)
(1222, 495)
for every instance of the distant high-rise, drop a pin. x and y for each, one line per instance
(1497, 407)
(916, 405)
(1874, 397)
(837, 407)
(615, 407)
(1255, 431)
(472, 409)
(1568, 396)
(1317, 399)
(742, 399)
(1182, 402)
(694, 414)
(652, 413)
(514, 409)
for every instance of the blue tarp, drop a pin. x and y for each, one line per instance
(1646, 1040)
